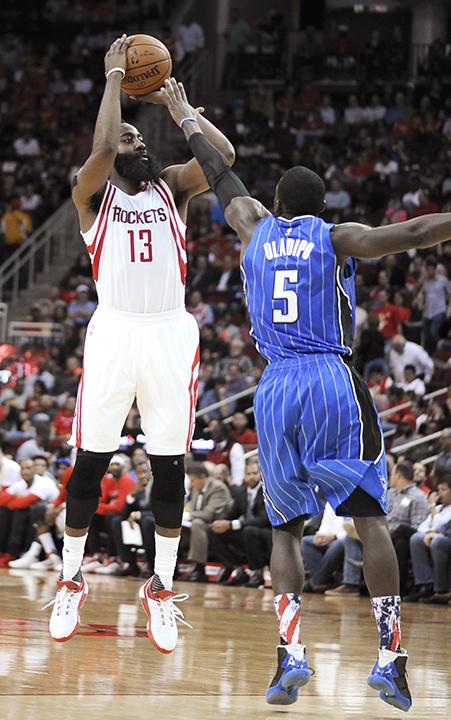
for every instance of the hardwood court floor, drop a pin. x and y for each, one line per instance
(220, 668)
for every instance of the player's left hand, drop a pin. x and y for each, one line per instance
(176, 100)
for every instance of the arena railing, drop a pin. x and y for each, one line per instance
(21, 331)
(36, 255)
(415, 443)
(404, 406)
(3, 321)
(225, 401)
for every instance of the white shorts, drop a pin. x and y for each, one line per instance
(154, 358)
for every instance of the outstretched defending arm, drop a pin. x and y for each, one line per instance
(361, 241)
(241, 211)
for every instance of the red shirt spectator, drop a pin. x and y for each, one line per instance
(388, 314)
(62, 422)
(115, 486)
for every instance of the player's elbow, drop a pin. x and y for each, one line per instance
(229, 154)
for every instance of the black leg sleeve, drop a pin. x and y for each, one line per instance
(83, 488)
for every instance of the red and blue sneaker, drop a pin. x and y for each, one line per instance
(292, 673)
(390, 678)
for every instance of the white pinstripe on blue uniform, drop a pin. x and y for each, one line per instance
(308, 413)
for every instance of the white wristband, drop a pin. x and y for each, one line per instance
(116, 69)
(189, 118)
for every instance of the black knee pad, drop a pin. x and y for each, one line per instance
(83, 488)
(168, 489)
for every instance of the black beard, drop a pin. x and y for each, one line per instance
(133, 167)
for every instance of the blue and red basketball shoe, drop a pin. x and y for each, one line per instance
(389, 677)
(292, 673)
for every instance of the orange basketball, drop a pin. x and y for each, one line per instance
(148, 65)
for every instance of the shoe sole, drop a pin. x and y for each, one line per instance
(76, 628)
(388, 693)
(145, 604)
(286, 692)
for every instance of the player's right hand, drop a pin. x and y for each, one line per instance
(116, 56)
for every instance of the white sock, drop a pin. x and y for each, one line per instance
(166, 558)
(47, 543)
(35, 548)
(73, 551)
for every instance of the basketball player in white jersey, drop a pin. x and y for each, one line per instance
(132, 219)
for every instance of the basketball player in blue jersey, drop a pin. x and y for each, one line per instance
(319, 435)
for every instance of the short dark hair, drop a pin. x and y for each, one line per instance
(410, 367)
(301, 191)
(445, 480)
(40, 457)
(405, 468)
(431, 261)
(197, 468)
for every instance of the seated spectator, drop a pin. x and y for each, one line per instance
(430, 548)
(221, 472)
(15, 504)
(241, 431)
(371, 349)
(210, 500)
(419, 477)
(354, 114)
(352, 564)
(229, 280)
(442, 465)
(323, 552)
(215, 395)
(9, 470)
(412, 384)
(115, 487)
(389, 317)
(337, 198)
(378, 385)
(226, 450)
(406, 430)
(436, 290)
(62, 422)
(81, 308)
(202, 277)
(407, 508)
(201, 311)
(34, 446)
(136, 509)
(403, 352)
(246, 535)
(327, 111)
(15, 226)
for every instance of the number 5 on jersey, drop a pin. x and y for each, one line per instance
(290, 312)
(145, 255)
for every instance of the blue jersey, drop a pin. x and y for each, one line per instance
(298, 298)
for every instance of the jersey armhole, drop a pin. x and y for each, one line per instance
(89, 235)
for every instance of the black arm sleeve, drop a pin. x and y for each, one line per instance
(220, 176)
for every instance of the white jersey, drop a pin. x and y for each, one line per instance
(138, 250)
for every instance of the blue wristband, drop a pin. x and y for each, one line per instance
(187, 119)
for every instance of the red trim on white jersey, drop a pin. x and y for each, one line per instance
(79, 411)
(91, 248)
(181, 227)
(98, 251)
(175, 233)
(192, 390)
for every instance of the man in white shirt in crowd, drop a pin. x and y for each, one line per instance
(323, 552)
(336, 197)
(404, 352)
(436, 292)
(9, 470)
(354, 114)
(430, 549)
(191, 37)
(15, 504)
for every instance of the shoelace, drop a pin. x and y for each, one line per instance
(169, 610)
(62, 600)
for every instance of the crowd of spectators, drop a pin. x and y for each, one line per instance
(384, 151)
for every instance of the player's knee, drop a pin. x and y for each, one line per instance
(168, 489)
(89, 469)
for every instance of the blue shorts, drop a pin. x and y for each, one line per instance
(318, 434)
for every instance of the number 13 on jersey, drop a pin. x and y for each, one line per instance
(290, 311)
(145, 241)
